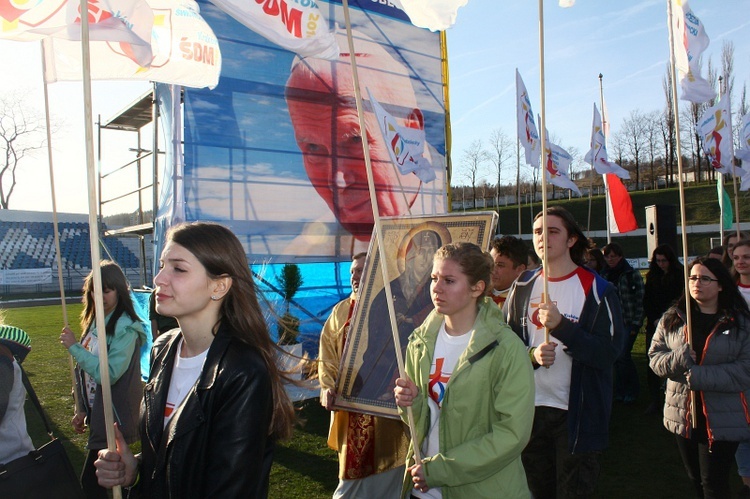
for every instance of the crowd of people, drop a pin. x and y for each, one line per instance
(507, 388)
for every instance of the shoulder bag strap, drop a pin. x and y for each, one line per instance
(35, 400)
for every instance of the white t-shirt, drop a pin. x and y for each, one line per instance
(448, 349)
(569, 293)
(184, 375)
(744, 291)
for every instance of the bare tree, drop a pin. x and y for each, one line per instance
(653, 123)
(501, 151)
(473, 159)
(633, 136)
(21, 134)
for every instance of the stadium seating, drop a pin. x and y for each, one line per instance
(31, 245)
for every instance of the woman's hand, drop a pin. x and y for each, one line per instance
(67, 338)
(405, 392)
(79, 422)
(417, 476)
(117, 468)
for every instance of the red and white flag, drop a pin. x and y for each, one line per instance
(126, 23)
(435, 15)
(620, 206)
(405, 145)
(597, 155)
(527, 131)
(690, 40)
(717, 137)
(297, 26)
(186, 52)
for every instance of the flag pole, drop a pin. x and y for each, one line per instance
(378, 226)
(604, 177)
(518, 177)
(734, 164)
(55, 225)
(109, 419)
(681, 185)
(543, 164)
(518, 159)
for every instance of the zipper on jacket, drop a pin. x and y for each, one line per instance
(709, 432)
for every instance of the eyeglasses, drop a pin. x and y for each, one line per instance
(704, 279)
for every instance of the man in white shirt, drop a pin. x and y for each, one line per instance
(573, 369)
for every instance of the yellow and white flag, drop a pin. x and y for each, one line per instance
(597, 155)
(405, 145)
(690, 40)
(713, 128)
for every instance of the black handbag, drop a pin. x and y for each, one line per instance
(44, 472)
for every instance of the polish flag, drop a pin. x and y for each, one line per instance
(620, 207)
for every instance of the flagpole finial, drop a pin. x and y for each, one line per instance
(601, 76)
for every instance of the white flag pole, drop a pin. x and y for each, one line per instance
(734, 164)
(543, 163)
(55, 227)
(378, 226)
(683, 221)
(604, 177)
(109, 419)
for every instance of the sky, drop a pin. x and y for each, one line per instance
(625, 41)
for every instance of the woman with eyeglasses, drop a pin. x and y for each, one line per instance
(665, 283)
(712, 373)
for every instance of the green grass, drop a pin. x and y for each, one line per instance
(642, 458)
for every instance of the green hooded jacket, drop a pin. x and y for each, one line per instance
(487, 411)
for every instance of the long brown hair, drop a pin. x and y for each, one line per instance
(112, 278)
(222, 254)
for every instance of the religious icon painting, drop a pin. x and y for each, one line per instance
(369, 367)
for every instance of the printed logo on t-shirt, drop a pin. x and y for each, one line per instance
(168, 410)
(438, 381)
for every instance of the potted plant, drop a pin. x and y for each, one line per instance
(290, 280)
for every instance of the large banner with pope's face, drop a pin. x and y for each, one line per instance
(275, 150)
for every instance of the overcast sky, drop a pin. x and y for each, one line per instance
(625, 41)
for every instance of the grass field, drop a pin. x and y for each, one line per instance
(642, 459)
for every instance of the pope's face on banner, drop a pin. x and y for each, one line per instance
(322, 107)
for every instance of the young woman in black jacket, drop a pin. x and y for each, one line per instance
(665, 282)
(215, 403)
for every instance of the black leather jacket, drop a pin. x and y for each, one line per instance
(217, 442)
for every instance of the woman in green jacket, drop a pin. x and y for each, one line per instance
(470, 385)
(124, 336)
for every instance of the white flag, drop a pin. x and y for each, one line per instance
(435, 15)
(717, 136)
(597, 155)
(297, 26)
(185, 52)
(744, 151)
(527, 131)
(125, 22)
(405, 145)
(557, 164)
(690, 40)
